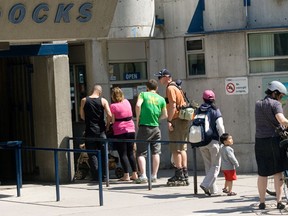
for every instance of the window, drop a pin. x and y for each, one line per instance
(131, 77)
(195, 56)
(268, 52)
(127, 71)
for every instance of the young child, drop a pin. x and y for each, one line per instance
(228, 163)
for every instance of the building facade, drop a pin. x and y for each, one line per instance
(232, 47)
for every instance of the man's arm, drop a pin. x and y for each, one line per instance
(164, 113)
(171, 111)
(108, 112)
(82, 114)
(138, 109)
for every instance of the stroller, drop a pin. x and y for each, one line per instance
(114, 165)
(83, 168)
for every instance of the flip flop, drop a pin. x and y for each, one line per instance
(121, 179)
(231, 194)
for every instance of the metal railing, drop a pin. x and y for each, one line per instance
(110, 140)
(16, 145)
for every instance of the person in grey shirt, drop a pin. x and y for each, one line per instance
(270, 158)
(228, 163)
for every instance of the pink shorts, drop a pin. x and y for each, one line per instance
(230, 175)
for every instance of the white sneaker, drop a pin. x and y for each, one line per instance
(141, 180)
(154, 179)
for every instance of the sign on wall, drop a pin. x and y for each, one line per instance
(52, 20)
(236, 86)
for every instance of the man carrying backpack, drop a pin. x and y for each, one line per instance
(211, 152)
(178, 128)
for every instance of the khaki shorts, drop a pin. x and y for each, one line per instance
(180, 133)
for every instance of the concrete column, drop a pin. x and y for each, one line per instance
(52, 113)
(97, 65)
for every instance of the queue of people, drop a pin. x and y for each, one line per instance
(217, 154)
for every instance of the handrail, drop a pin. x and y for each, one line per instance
(16, 146)
(111, 140)
(57, 179)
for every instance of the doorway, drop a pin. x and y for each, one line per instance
(16, 114)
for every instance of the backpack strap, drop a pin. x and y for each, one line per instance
(181, 90)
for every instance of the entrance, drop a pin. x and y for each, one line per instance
(16, 114)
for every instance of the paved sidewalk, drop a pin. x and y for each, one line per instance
(129, 199)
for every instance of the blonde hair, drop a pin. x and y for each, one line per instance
(117, 94)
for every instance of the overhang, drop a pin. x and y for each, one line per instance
(46, 20)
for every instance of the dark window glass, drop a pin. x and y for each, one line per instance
(196, 64)
(193, 45)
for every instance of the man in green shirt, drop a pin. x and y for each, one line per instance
(150, 108)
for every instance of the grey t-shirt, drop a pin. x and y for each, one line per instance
(265, 111)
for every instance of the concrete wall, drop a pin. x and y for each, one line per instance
(133, 19)
(269, 14)
(225, 57)
(52, 113)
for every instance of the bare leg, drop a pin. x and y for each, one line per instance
(184, 158)
(177, 159)
(156, 162)
(278, 184)
(262, 185)
(134, 175)
(125, 177)
(225, 185)
(142, 165)
(229, 186)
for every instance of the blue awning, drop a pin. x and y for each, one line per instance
(36, 50)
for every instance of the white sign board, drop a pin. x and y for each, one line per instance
(236, 86)
(128, 93)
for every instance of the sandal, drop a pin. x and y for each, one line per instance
(224, 190)
(231, 194)
(133, 179)
(122, 179)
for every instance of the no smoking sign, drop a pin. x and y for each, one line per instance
(236, 85)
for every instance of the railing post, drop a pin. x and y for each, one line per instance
(18, 172)
(57, 181)
(20, 161)
(100, 177)
(69, 161)
(106, 163)
(149, 166)
(195, 171)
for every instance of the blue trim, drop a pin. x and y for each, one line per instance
(36, 50)
(247, 3)
(159, 21)
(196, 23)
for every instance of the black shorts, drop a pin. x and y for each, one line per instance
(270, 158)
